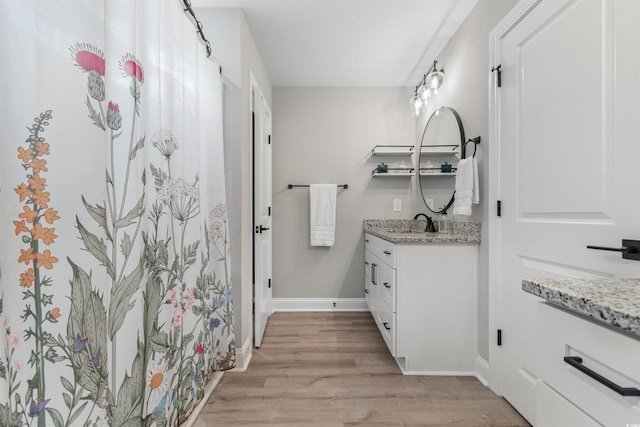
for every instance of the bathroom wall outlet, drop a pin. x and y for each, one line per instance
(397, 205)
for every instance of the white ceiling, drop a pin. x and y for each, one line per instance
(371, 43)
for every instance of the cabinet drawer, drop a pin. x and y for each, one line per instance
(387, 286)
(370, 300)
(386, 321)
(554, 410)
(603, 350)
(386, 251)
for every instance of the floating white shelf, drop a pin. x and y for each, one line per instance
(441, 153)
(437, 174)
(394, 173)
(392, 150)
(440, 150)
(431, 152)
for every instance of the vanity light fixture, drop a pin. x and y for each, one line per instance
(417, 106)
(427, 87)
(424, 92)
(435, 78)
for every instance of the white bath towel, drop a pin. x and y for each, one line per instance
(467, 188)
(323, 214)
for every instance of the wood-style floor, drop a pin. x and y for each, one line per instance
(334, 369)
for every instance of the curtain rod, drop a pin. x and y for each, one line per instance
(187, 5)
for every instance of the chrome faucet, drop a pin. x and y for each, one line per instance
(430, 228)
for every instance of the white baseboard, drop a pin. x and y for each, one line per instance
(483, 371)
(319, 304)
(440, 373)
(211, 386)
(243, 356)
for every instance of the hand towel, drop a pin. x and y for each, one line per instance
(323, 214)
(467, 188)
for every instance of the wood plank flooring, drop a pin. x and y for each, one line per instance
(334, 369)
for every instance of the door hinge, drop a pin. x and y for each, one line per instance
(499, 207)
(269, 283)
(269, 142)
(499, 70)
(499, 337)
(269, 210)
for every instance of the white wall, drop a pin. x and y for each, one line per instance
(325, 135)
(236, 52)
(465, 60)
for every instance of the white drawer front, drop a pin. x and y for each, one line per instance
(387, 326)
(609, 353)
(387, 287)
(386, 251)
(554, 410)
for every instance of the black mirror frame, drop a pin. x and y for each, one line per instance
(442, 211)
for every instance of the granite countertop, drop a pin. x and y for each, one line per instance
(412, 231)
(615, 302)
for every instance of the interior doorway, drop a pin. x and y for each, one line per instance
(262, 237)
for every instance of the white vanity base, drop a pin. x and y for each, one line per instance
(423, 299)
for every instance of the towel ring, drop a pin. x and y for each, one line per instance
(475, 141)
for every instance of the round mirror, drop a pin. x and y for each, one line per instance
(441, 148)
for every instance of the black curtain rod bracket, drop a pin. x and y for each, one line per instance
(187, 5)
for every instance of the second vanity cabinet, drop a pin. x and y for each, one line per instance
(567, 396)
(423, 299)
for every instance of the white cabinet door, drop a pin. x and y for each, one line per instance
(566, 118)
(369, 291)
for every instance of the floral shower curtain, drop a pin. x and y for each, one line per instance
(115, 295)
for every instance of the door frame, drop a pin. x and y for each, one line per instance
(254, 87)
(501, 30)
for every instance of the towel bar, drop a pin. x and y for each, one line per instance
(290, 186)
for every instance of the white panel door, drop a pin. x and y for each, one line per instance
(262, 290)
(567, 117)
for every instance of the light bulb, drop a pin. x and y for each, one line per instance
(424, 93)
(416, 106)
(435, 78)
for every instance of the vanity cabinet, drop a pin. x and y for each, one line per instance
(568, 396)
(422, 297)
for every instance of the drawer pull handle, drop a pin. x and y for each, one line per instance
(374, 278)
(386, 326)
(387, 252)
(366, 291)
(366, 240)
(576, 362)
(366, 263)
(386, 285)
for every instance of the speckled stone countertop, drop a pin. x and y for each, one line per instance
(615, 302)
(412, 231)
